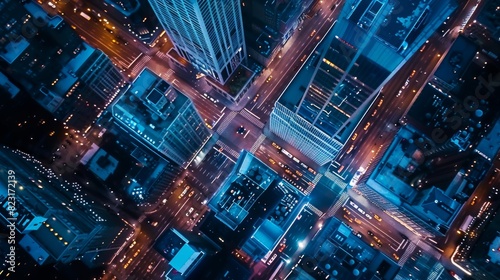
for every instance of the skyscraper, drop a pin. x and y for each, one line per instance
(208, 33)
(162, 118)
(370, 41)
(54, 219)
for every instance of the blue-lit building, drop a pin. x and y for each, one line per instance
(209, 34)
(370, 41)
(66, 76)
(162, 118)
(257, 205)
(55, 221)
(184, 253)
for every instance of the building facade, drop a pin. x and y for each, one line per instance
(209, 34)
(367, 45)
(66, 76)
(55, 220)
(162, 118)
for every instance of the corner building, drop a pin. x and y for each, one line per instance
(207, 33)
(370, 41)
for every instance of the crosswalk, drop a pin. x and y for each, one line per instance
(343, 197)
(409, 250)
(257, 143)
(139, 65)
(227, 120)
(227, 149)
(314, 210)
(162, 55)
(336, 179)
(252, 118)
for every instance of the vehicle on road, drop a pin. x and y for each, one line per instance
(241, 130)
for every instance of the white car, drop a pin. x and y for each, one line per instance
(189, 211)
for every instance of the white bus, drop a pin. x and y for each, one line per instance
(85, 16)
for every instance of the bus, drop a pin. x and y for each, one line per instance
(85, 16)
(465, 225)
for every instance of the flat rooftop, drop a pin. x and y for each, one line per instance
(490, 144)
(248, 180)
(149, 107)
(456, 61)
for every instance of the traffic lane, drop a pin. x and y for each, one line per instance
(297, 175)
(283, 66)
(371, 234)
(114, 19)
(210, 111)
(371, 222)
(239, 139)
(94, 34)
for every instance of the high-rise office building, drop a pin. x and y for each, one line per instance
(162, 118)
(370, 41)
(54, 219)
(208, 33)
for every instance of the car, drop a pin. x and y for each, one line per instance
(377, 217)
(52, 5)
(191, 193)
(241, 130)
(276, 146)
(358, 234)
(374, 113)
(370, 233)
(367, 125)
(312, 33)
(183, 193)
(195, 215)
(354, 136)
(269, 78)
(358, 221)
(256, 98)
(473, 200)
(154, 224)
(109, 30)
(272, 161)
(190, 211)
(396, 257)
(350, 149)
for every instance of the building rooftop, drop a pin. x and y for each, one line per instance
(490, 144)
(170, 244)
(247, 182)
(149, 107)
(456, 61)
(402, 20)
(103, 164)
(8, 86)
(338, 254)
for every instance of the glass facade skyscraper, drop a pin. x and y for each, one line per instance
(371, 40)
(208, 33)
